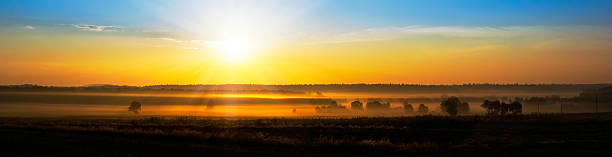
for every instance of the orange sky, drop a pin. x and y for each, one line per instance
(80, 58)
(300, 43)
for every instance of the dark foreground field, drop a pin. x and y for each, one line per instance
(527, 135)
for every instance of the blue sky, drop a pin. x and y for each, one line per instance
(354, 13)
(476, 12)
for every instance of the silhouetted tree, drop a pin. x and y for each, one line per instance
(423, 109)
(501, 108)
(492, 107)
(408, 107)
(516, 107)
(505, 108)
(135, 107)
(453, 106)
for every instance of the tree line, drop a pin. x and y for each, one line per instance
(453, 106)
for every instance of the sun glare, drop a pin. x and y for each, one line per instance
(233, 49)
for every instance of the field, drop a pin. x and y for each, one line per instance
(588, 134)
(263, 120)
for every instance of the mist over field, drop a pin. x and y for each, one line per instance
(281, 100)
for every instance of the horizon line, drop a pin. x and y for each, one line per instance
(312, 84)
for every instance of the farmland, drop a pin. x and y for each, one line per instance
(532, 134)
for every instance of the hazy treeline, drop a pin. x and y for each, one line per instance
(589, 100)
(297, 89)
(597, 95)
(156, 88)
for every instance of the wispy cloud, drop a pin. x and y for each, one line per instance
(197, 42)
(29, 27)
(391, 33)
(97, 28)
(171, 40)
(185, 43)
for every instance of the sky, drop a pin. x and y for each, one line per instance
(130, 42)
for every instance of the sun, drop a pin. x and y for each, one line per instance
(233, 49)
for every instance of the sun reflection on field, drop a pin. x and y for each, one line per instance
(164, 104)
(246, 110)
(242, 110)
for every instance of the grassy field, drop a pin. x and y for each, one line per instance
(534, 134)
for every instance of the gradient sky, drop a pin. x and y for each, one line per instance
(128, 42)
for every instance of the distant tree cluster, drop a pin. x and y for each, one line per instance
(421, 109)
(454, 106)
(501, 108)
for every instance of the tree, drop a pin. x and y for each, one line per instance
(492, 107)
(135, 107)
(488, 105)
(516, 108)
(453, 106)
(423, 109)
(408, 107)
(501, 108)
(505, 108)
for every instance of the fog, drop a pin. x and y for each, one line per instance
(293, 104)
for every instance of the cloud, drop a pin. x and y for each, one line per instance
(29, 27)
(171, 39)
(185, 43)
(97, 28)
(392, 33)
